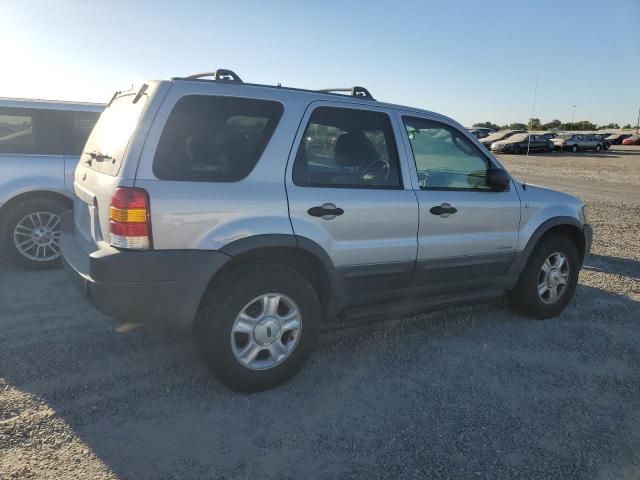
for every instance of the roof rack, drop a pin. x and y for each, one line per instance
(220, 74)
(354, 91)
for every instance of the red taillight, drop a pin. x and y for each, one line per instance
(129, 220)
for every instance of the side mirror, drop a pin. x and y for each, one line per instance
(497, 179)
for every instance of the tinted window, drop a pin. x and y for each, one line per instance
(347, 148)
(44, 132)
(16, 132)
(215, 139)
(31, 131)
(444, 157)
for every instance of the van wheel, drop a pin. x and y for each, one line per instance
(549, 279)
(598, 148)
(257, 326)
(574, 149)
(31, 233)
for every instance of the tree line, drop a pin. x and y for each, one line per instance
(536, 124)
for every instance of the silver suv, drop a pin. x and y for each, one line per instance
(254, 213)
(577, 141)
(40, 143)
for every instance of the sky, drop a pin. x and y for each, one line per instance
(471, 60)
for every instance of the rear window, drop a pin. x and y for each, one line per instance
(214, 139)
(109, 139)
(79, 126)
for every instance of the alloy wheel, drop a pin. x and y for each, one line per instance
(553, 277)
(266, 331)
(37, 236)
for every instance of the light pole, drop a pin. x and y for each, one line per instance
(573, 115)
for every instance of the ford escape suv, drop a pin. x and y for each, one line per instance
(252, 213)
(40, 143)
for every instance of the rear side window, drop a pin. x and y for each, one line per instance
(214, 139)
(347, 148)
(16, 131)
(31, 131)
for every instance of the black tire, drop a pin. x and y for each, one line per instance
(226, 299)
(575, 149)
(598, 147)
(524, 297)
(15, 214)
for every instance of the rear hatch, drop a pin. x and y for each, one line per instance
(109, 160)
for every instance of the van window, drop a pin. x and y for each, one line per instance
(109, 138)
(214, 139)
(16, 131)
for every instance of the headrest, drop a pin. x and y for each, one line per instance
(349, 150)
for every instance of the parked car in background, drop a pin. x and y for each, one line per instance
(617, 138)
(223, 209)
(521, 143)
(40, 143)
(576, 142)
(478, 133)
(632, 140)
(497, 136)
(602, 138)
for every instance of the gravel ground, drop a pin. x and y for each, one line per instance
(468, 392)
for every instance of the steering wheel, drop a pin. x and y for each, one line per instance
(377, 170)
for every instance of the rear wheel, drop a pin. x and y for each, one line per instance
(257, 327)
(549, 280)
(31, 232)
(598, 148)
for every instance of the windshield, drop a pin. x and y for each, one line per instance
(518, 137)
(109, 139)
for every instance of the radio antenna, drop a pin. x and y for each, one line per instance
(533, 112)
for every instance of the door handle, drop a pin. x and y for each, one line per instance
(326, 210)
(443, 210)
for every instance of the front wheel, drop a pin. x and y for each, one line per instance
(258, 326)
(549, 279)
(598, 148)
(574, 149)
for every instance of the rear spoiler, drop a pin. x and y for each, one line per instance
(141, 91)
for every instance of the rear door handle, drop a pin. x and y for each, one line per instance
(325, 210)
(443, 210)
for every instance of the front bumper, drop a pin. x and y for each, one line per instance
(150, 286)
(587, 231)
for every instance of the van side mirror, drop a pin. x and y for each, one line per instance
(497, 179)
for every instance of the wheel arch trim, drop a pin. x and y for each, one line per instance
(522, 257)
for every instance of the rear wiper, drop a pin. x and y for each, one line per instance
(100, 157)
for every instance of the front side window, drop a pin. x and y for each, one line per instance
(347, 148)
(444, 158)
(215, 139)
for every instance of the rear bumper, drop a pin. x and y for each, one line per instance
(151, 287)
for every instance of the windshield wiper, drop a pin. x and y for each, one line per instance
(99, 157)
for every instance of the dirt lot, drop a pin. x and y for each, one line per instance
(469, 392)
